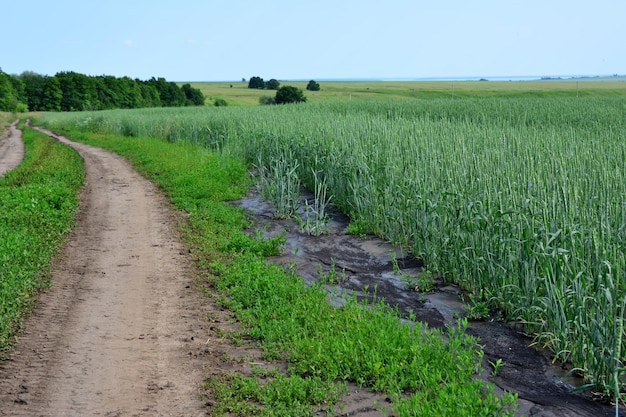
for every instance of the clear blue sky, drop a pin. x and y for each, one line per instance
(214, 40)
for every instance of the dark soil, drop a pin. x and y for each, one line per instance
(543, 388)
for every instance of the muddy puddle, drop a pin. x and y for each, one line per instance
(360, 264)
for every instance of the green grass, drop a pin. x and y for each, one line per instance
(238, 93)
(6, 119)
(235, 93)
(37, 204)
(420, 370)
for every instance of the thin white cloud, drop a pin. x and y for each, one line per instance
(129, 42)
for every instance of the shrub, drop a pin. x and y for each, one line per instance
(256, 82)
(289, 94)
(313, 86)
(267, 100)
(272, 84)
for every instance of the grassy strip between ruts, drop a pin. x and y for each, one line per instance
(424, 372)
(38, 200)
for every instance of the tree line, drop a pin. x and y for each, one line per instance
(72, 91)
(284, 95)
(274, 84)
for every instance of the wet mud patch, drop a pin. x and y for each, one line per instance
(368, 265)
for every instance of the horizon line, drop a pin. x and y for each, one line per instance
(445, 78)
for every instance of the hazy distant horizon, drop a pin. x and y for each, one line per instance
(459, 78)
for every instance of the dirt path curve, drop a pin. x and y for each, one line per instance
(11, 148)
(121, 332)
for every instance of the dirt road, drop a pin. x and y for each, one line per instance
(121, 332)
(11, 148)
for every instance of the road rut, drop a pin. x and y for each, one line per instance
(11, 148)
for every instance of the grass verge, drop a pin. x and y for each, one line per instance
(38, 201)
(423, 371)
(6, 119)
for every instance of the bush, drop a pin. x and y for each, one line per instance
(256, 82)
(289, 94)
(267, 100)
(313, 86)
(220, 102)
(272, 84)
(194, 96)
(21, 108)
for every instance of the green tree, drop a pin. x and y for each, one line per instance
(272, 84)
(19, 91)
(34, 85)
(256, 82)
(194, 95)
(70, 100)
(79, 91)
(289, 94)
(109, 92)
(169, 93)
(52, 95)
(313, 86)
(12, 95)
(131, 94)
(149, 94)
(6, 92)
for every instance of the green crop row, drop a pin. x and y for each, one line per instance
(519, 201)
(421, 371)
(38, 200)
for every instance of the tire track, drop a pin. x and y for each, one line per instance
(11, 148)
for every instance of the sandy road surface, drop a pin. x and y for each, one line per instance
(11, 148)
(121, 332)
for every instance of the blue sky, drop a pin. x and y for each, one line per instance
(215, 40)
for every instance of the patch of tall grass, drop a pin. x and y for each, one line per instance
(6, 119)
(519, 201)
(324, 345)
(38, 200)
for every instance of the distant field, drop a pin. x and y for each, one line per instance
(238, 93)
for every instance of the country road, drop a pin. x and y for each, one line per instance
(11, 148)
(121, 331)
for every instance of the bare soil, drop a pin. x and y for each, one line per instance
(123, 330)
(11, 148)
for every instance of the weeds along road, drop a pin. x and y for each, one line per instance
(120, 332)
(11, 148)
